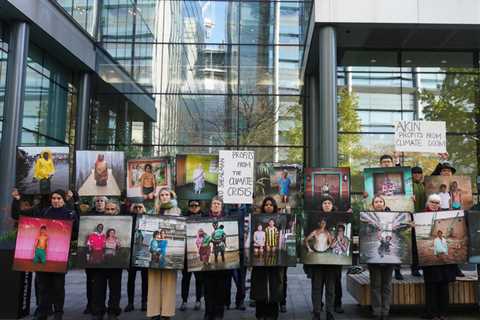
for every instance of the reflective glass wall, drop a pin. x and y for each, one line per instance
(377, 88)
(3, 69)
(221, 73)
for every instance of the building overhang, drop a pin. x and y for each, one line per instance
(56, 32)
(394, 25)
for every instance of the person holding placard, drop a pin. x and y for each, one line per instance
(215, 288)
(136, 209)
(380, 275)
(51, 285)
(111, 277)
(437, 277)
(267, 282)
(323, 277)
(162, 284)
(194, 210)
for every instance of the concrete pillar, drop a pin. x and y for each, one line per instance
(83, 112)
(327, 97)
(12, 116)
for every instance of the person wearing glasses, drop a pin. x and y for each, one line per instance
(437, 278)
(135, 210)
(194, 210)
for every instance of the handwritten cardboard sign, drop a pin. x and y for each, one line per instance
(235, 176)
(420, 136)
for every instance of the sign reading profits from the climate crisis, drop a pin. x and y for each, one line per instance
(235, 176)
(420, 136)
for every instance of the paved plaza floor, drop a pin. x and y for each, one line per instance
(299, 304)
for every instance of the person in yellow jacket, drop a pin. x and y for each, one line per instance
(43, 171)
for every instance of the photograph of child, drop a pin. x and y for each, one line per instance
(103, 242)
(394, 184)
(385, 237)
(212, 244)
(442, 237)
(280, 181)
(40, 170)
(322, 182)
(145, 178)
(196, 176)
(327, 238)
(100, 173)
(455, 191)
(272, 240)
(474, 235)
(159, 242)
(42, 245)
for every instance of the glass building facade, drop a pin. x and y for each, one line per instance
(221, 73)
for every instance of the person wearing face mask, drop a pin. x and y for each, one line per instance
(267, 282)
(437, 278)
(103, 278)
(51, 285)
(162, 284)
(136, 209)
(380, 275)
(324, 277)
(214, 281)
(194, 210)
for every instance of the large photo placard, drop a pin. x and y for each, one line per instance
(420, 136)
(159, 242)
(394, 185)
(327, 182)
(103, 242)
(327, 238)
(213, 244)
(196, 176)
(474, 234)
(385, 237)
(42, 245)
(455, 191)
(279, 181)
(100, 173)
(235, 176)
(272, 240)
(442, 237)
(40, 170)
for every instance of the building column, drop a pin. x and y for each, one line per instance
(83, 112)
(327, 84)
(314, 128)
(12, 116)
(147, 139)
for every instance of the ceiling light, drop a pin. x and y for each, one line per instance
(408, 61)
(373, 60)
(443, 61)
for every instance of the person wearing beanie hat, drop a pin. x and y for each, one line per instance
(51, 285)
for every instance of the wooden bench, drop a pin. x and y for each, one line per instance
(411, 290)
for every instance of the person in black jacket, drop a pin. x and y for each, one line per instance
(194, 210)
(99, 203)
(51, 285)
(103, 277)
(136, 209)
(267, 282)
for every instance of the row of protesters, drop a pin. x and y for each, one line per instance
(51, 285)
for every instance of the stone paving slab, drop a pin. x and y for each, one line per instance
(298, 302)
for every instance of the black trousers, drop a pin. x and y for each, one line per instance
(101, 278)
(88, 273)
(436, 298)
(132, 277)
(266, 310)
(338, 289)
(284, 296)
(239, 277)
(215, 294)
(51, 291)
(186, 277)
